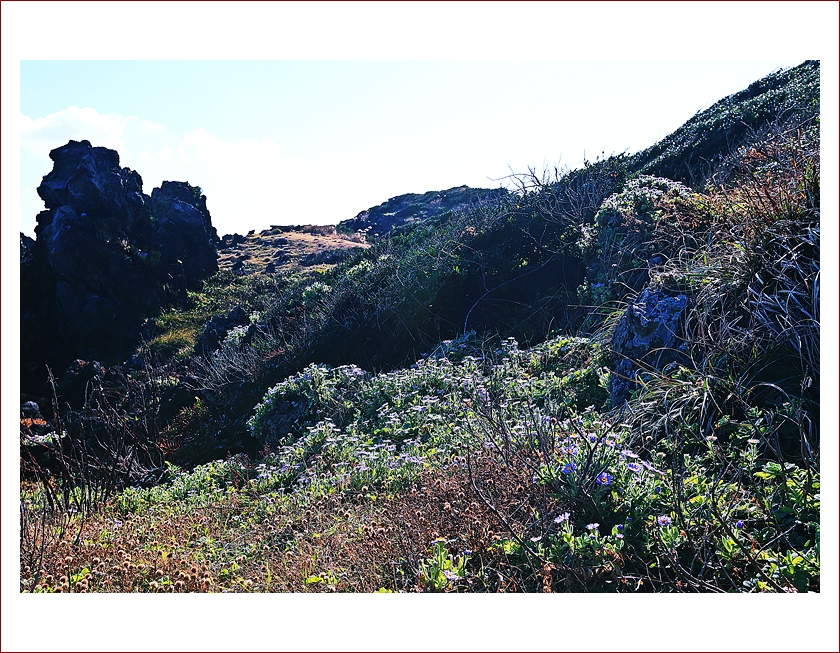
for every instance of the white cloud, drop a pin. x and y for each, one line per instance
(244, 180)
(72, 123)
(151, 128)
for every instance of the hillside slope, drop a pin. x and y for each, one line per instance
(606, 381)
(693, 151)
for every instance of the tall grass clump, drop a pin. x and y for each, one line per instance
(738, 425)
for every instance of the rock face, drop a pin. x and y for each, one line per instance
(183, 230)
(648, 334)
(106, 257)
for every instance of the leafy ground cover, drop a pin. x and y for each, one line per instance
(474, 470)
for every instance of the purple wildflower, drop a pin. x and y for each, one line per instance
(604, 478)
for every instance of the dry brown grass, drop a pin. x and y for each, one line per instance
(343, 543)
(295, 243)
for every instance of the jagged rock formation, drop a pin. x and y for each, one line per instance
(106, 257)
(413, 206)
(183, 230)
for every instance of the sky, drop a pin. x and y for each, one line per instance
(311, 112)
(316, 142)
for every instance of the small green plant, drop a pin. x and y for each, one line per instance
(442, 571)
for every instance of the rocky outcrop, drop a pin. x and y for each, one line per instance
(414, 206)
(648, 335)
(229, 241)
(27, 249)
(105, 258)
(89, 181)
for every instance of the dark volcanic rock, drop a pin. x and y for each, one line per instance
(106, 257)
(101, 286)
(648, 334)
(89, 180)
(231, 240)
(183, 229)
(31, 410)
(72, 385)
(217, 329)
(27, 249)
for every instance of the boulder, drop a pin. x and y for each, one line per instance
(218, 327)
(231, 241)
(31, 410)
(73, 384)
(648, 334)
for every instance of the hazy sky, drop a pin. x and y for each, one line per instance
(296, 142)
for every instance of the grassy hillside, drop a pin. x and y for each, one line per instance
(702, 145)
(451, 406)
